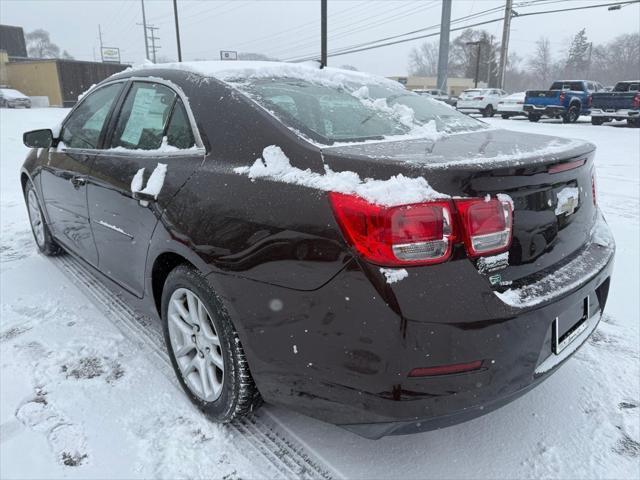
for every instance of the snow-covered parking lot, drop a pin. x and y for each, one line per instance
(87, 392)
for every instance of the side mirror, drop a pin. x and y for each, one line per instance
(38, 138)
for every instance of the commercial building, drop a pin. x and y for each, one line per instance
(59, 80)
(454, 85)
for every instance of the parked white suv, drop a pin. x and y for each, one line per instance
(480, 100)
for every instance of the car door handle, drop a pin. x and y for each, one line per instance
(78, 182)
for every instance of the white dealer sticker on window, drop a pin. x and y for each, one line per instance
(139, 111)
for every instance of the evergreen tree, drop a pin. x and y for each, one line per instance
(578, 57)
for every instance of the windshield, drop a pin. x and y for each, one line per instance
(352, 112)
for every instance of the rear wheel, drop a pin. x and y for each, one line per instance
(597, 120)
(488, 111)
(41, 233)
(204, 347)
(505, 116)
(633, 122)
(534, 118)
(572, 114)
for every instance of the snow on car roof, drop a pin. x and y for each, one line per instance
(11, 93)
(234, 70)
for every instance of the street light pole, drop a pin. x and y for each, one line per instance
(323, 33)
(479, 45)
(144, 28)
(175, 15)
(504, 46)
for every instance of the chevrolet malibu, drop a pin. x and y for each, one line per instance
(326, 240)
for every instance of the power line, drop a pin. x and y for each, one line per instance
(375, 43)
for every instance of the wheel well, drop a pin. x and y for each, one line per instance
(576, 103)
(162, 267)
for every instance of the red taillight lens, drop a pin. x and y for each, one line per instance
(418, 234)
(636, 101)
(422, 233)
(594, 190)
(446, 369)
(589, 100)
(561, 97)
(487, 225)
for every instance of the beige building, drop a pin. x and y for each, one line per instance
(454, 85)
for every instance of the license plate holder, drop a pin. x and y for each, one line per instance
(566, 328)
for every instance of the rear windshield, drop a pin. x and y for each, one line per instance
(575, 86)
(627, 87)
(351, 112)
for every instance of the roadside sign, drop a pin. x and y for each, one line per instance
(228, 55)
(111, 54)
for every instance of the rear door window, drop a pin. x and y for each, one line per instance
(144, 117)
(84, 126)
(179, 132)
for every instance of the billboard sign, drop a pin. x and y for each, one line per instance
(228, 55)
(111, 54)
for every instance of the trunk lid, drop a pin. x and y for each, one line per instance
(553, 210)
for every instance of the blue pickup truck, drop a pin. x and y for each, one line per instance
(622, 103)
(566, 99)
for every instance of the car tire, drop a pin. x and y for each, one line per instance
(41, 232)
(488, 111)
(633, 122)
(505, 116)
(597, 120)
(572, 114)
(534, 118)
(230, 392)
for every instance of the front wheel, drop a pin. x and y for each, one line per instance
(41, 233)
(633, 122)
(204, 347)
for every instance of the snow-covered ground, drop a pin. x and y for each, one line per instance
(86, 391)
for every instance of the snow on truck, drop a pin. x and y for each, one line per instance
(623, 102)
(566, 99)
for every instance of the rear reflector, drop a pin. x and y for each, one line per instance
(563, 167)
(446, 369)
(422, 233)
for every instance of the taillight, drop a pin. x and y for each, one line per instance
(487, 225)
(422, 233)
(594, 190)
(417, 234)
(636, 101)
(589, 100)
(561, 97)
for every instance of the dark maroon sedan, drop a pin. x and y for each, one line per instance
(327, 240)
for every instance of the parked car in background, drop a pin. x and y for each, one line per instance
(310, 262)
(10, 98)
(480, 100)
(438, 95)
(623, 103)
(566, 99)
(511, 105)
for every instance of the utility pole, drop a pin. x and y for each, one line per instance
(323, 33)
(144, 29)
(477, 43)
(153, 38)
(443, 50)
(589, 59)
(100, 37)
(175, 15)
(504, 46)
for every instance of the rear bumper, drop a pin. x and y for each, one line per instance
(621, 114)
(548, 110)
(343, 353)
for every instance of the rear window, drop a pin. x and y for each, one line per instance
(574, 86)
(626, 87)
(351, 112)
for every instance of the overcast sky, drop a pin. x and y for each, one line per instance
(289, 29)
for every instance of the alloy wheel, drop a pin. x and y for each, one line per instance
(195, 344)
(35, 217)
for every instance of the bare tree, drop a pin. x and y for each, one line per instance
(423, 60)
(541, 63)
(39, 45)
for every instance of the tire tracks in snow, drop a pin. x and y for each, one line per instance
(285, 456)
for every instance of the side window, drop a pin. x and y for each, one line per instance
(634, 87)
(83, 128)
(143, 117)
(179, 133)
